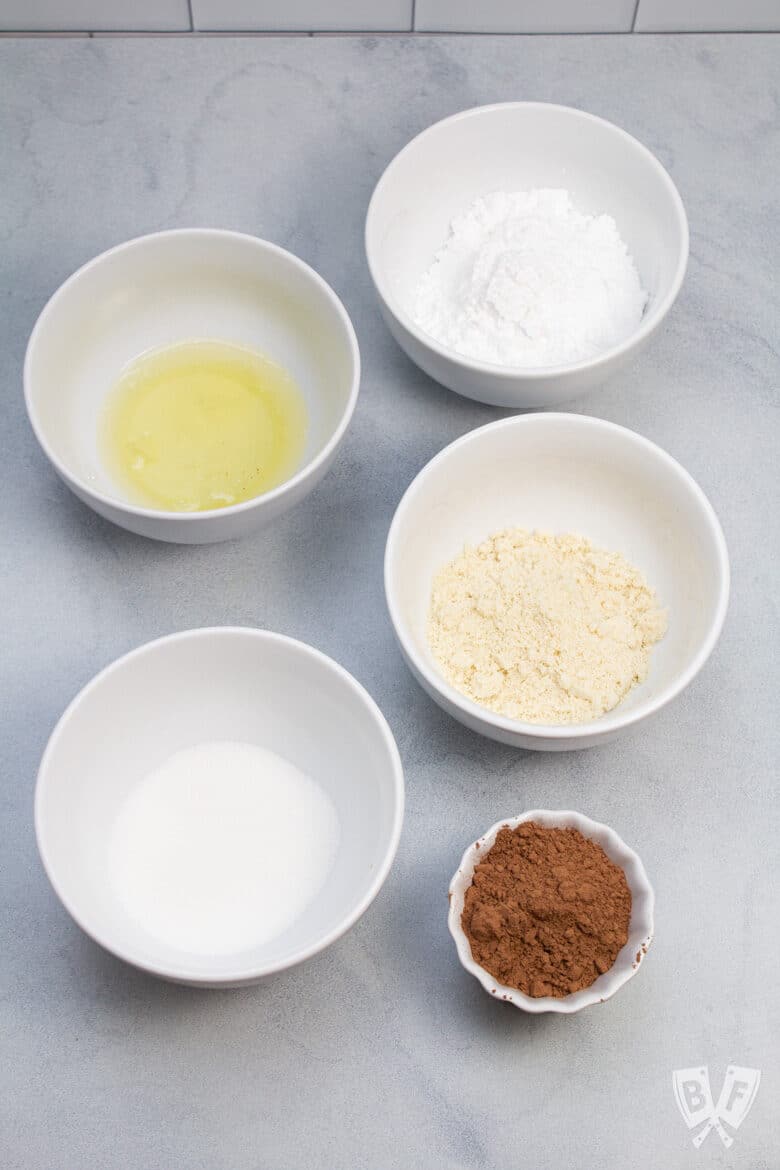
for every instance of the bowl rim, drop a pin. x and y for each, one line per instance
(642, 894)
(127, 506)
(650, 319)
(180, 972)
(619, 717)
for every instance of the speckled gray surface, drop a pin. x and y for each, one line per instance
(382, 1052)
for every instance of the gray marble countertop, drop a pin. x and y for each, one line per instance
(382, 1053)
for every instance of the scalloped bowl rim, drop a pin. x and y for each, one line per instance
(628, 960)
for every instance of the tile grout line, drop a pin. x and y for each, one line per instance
(168, 34)
(636, 13)
(192, 22)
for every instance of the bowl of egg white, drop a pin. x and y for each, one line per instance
(237, 835)
(191, 385)
(524, 252)
(554, 580)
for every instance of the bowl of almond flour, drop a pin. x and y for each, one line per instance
(524, 252)
(553, 580)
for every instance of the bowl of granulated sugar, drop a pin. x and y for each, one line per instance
(219, 805)
(522, 253)
(551, 911)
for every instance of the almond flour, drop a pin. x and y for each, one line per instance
(543, 628)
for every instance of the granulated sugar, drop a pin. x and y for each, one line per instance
(525, 279)
(222, 847)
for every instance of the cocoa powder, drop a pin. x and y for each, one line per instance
(547, 911)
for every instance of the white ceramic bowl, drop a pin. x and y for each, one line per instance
(640, 928)
(209, 684)
(563, 473)
(513, 147)
(174, 286)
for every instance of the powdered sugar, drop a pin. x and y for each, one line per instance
(525, 279)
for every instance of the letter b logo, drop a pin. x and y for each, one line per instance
(695, 1098)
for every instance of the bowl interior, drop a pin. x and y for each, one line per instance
(225, 684)
(563, 473)
(173, 287)
(517, 147)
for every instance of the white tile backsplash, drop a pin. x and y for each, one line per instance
(462, 16)
(302, 15)
(707, 15)
(94, 15)
(530, 16)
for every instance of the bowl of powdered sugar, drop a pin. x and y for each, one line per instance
(554, 580)
(524, 252)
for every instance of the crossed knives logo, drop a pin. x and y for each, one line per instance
(693, 1095)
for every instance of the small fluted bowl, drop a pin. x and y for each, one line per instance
(640, 932)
